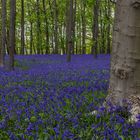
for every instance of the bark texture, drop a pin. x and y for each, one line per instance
(12, 34)
(69, 30)
(47, 51)
(3, 34)
(95, 28)
(38, 28)
(125, 61)
(56, 27)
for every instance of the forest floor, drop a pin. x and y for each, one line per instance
(46, 98)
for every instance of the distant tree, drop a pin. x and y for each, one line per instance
(125, 62)
(38, 28)
(73, 26)
(12, 33)
(47, 50)
(3, 34)
(95, 28)
(31, 29)
(22, 27)
(52, 27)
(55, 26)
(69, 30)
(108, 15)
(83, 27)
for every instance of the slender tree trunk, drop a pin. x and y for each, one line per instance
(102, 32)
(108, 27)
(46, 28)
(62, 30)
(39, 43)
(22, 28)
(125, 62)
(26, 40)
(70, 37)
(52, 50)
(34, 48)
(56, 27)
(77, 35)
(31, 37)
(80, 37)
(83, 27)
(7, 40)
(67, 24)
(95, 28)
(12, 34)
(3, 40)
(73, 26)
(31, 30)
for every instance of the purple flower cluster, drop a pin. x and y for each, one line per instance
(48, 98)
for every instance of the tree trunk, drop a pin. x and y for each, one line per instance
(46, 28)
(7, 40)
(55, 27)
(31, 30)
(3, 35)
(73, 26)
(102, 32)
(108, 26)
(70, 37)
(67, 24)
(31, 37)
(22, 27)
(39, 40)
(52, 49)
(125, 62)
(1, 57)
(62, 30)
(12, 34)
(95, 28)
(83, 27)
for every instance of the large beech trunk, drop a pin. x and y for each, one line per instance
(125, 61)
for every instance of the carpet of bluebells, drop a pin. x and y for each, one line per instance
(46, 98)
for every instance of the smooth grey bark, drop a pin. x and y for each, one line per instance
(125, 61)
(3, 34)
(12, 34)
